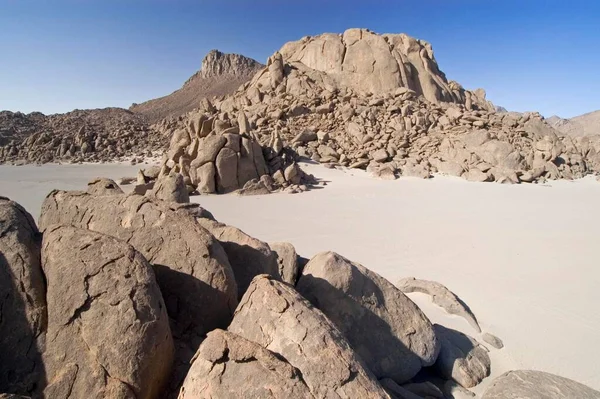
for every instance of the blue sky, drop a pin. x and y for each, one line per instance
(63, 54)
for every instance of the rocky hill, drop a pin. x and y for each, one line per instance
(582, 125)
(221, 74)
(381, 103)
(108, 134)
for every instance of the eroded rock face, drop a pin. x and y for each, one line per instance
(22, 300)
(108, 330)
(170, 188)
(461, 358)
(276, 317)
(385, 327)
(229, 366)
(529, 384)
(247, 255)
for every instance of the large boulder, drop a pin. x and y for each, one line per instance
(229, 366)
(108, 330)
(275, 316)
(103, 186)
(529, 384)
(247, 255)
(170, 188)
(22, 300)
(382, 324)
(461, 358)
(191, 267)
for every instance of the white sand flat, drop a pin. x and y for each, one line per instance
(524, 258)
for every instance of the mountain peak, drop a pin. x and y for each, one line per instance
(216, 63)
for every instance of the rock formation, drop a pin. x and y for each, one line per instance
(386, 329)
(221, 74)
(111, 338)
(89, 319)
(380, 102)
(578, 126)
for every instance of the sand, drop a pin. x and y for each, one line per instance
(524, 258)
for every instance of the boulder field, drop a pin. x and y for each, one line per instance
(131, 296)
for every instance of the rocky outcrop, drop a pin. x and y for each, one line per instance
(529, 384)
(108, 331)
(22, 301)
(103, 186)
(220, 75)
(441, 296)
(276, 317)
(97, 135)
(224, 360)
(578, 126)
(390, 333)
(247, 255)
(461, 358)
(170, 188)
(215, 154)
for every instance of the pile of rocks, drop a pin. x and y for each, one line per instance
(100, 135)
(128, 296)
(380, 102)
(217, 153)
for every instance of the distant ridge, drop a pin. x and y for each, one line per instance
(582, 125)
(221, 74)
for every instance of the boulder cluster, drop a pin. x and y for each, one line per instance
(380, 102)
(100, 135)
(129, 296)
(219, 154)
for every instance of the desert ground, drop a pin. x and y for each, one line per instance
(522, 257)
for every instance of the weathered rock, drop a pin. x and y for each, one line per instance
(204, 178)
(493, 340)
(248, 256)
(390, 333)
(461, 358)
(305, 136)
(208, 149)
(441, 296)
(254, 187)
(229, 366)
(170, 188)
(22, 300)
(191, 267)
(226, 166)
(278, 318)
(108, 330)
(287, 259)
(424, 389)
(103, 186)
(529, 384)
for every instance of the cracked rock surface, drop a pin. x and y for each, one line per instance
(108, 330)
(382, 324)
(275, 316)
(224, 360)
(22, 300)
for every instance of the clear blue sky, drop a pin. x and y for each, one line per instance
(58, 55)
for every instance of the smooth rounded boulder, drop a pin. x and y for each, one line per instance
(383, 325)
(108, 330)
(278, 318)
(22, 300)
(229, 366)
(529, 384)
